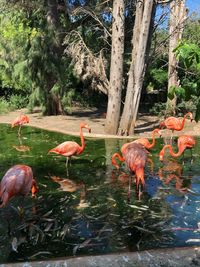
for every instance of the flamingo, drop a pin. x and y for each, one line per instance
(143, 141)
(175, 124)
(71, 148)
(184, 142)
(19, 121)
(18, 180)
(135, 159)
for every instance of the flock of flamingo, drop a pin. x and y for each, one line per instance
(19, 180)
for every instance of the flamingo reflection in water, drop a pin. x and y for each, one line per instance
(173, 171)
(69, 185)
(21, 147)
(18, 180)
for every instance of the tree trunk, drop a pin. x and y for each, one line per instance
(143, 21)
(53, 105)
(177, 18)
(116, 68)
(126, 117)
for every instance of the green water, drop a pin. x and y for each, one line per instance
(98, 217)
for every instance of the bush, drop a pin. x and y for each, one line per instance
(4, 106)
(18, 102)
(158, 109)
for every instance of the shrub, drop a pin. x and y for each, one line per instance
(18, 102)
(4, 106)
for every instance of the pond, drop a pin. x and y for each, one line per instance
(88, 211)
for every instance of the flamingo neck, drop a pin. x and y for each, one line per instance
(183, 121)
(172, 153)
(116, 155)
(153, 140)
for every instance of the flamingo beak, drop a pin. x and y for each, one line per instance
(161, 157)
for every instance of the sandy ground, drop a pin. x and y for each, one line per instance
(69, 124)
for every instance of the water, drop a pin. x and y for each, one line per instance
(94, 215)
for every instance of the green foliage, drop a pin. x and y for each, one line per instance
(158, 109)
(178, 91)
(67, 100)
(15, 34)
(4, 106)
(189, 94)
(18, 101)
(189, 53)
(192, 29)
(159, 77)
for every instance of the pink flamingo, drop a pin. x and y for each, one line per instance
(184, 142)
(18, 180)
(19, 121)
(71, 148)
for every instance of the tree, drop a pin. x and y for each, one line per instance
(116, 68)
(145, 11)
(177, 19)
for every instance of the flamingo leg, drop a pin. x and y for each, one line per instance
(139, 191)
(19, 131)
(192, 159)
(171, 138)
(129, 189)
(67, 159)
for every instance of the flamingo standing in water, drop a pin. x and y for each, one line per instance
(18, 180)
(143, 141)
(184, 142)
(71, 148)
(175, 124)
(135, 157)
(19, 121)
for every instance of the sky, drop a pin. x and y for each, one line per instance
(193, 5)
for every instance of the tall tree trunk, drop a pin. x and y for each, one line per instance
(53, 101)
(177, 18)
(144, 12)
(116, 68)
(126, 117)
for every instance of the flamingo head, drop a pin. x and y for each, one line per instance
(34, 188)
(161, 155)
(162, 124)
(158, 131)
(86, 126)
(114, 163)
(190, 115)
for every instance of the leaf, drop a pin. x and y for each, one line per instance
(180, 91)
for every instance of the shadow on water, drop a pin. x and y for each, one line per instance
(95, 209)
